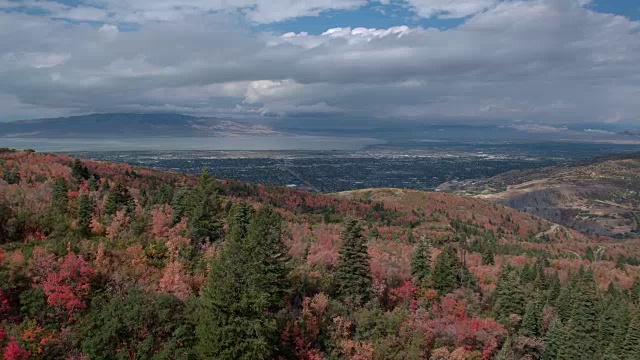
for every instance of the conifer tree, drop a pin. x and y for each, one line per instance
(85, 211)
(421, 260)
(488, 257)
(264, 235)
(93, 183)
(244, 289)
(446, 274)
(79, 171)
(353, 273)
(615, 348)
(553, 341)
(203, 211)
(531, 320)
(119, 198)
(631, 345)
(506, 352)
(509, 297)
(59, 198)
(582, 329)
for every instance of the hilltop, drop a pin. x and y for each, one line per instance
(598, 196)
(99, 259)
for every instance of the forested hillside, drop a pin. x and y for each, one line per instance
(109, 261)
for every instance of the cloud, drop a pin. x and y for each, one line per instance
(450, 8)
(524, 60)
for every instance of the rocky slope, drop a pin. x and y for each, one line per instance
(600, 196)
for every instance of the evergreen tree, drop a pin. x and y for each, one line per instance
(93, 183)
(79, 171)
(531, 320)
(506, 352)
(203, 211)
(582, 329)
(353, 273)
(446, 271)
(236, 319)
(118, 199)
(631, 345)
(488, 257)
(615, 348)
(59, 198)
(264, 235)
(610, 317)
(85, 211)
(553, 341)
(421, 260)
(509, 297)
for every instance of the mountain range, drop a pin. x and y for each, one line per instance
(131, 125)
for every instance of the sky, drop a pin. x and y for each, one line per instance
(522, 61)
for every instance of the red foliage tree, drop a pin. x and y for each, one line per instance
(15, 352)
(65, 282)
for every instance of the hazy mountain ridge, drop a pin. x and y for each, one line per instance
(131, 125)
(598, 196)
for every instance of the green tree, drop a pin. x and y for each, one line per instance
(353, 273)
(203, 211)
(582, 329)
(85, 211)
(631, 345)
(265, 236)
(59, 198)
(553, 341)
(508, 296)
(79, 171)
(421, 260)
(446, 271)
(245, 289)
(138, 326)
(6, 214)
(488, 257)
(532, 318)
(119, 198)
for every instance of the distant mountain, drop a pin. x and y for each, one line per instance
(598, 196)
(131, 125)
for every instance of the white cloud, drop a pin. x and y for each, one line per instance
(514, 60)
(450, 8)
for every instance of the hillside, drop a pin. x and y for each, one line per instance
(102, 260)
(130, 125)
(599, 196)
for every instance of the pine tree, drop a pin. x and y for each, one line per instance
(446, 271)
(631, 345)
(244, 289)
(264, 235)
(203, 210)
(118, 199)
(59, 198)
(614, 349)
(93, 183)
(85, 211)
(353, 273)
(509, 297)
(421, 260)
(488, 257)
(553, 341)
(79, 171)
(582, 329)
(506, 352)
(531, 320)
